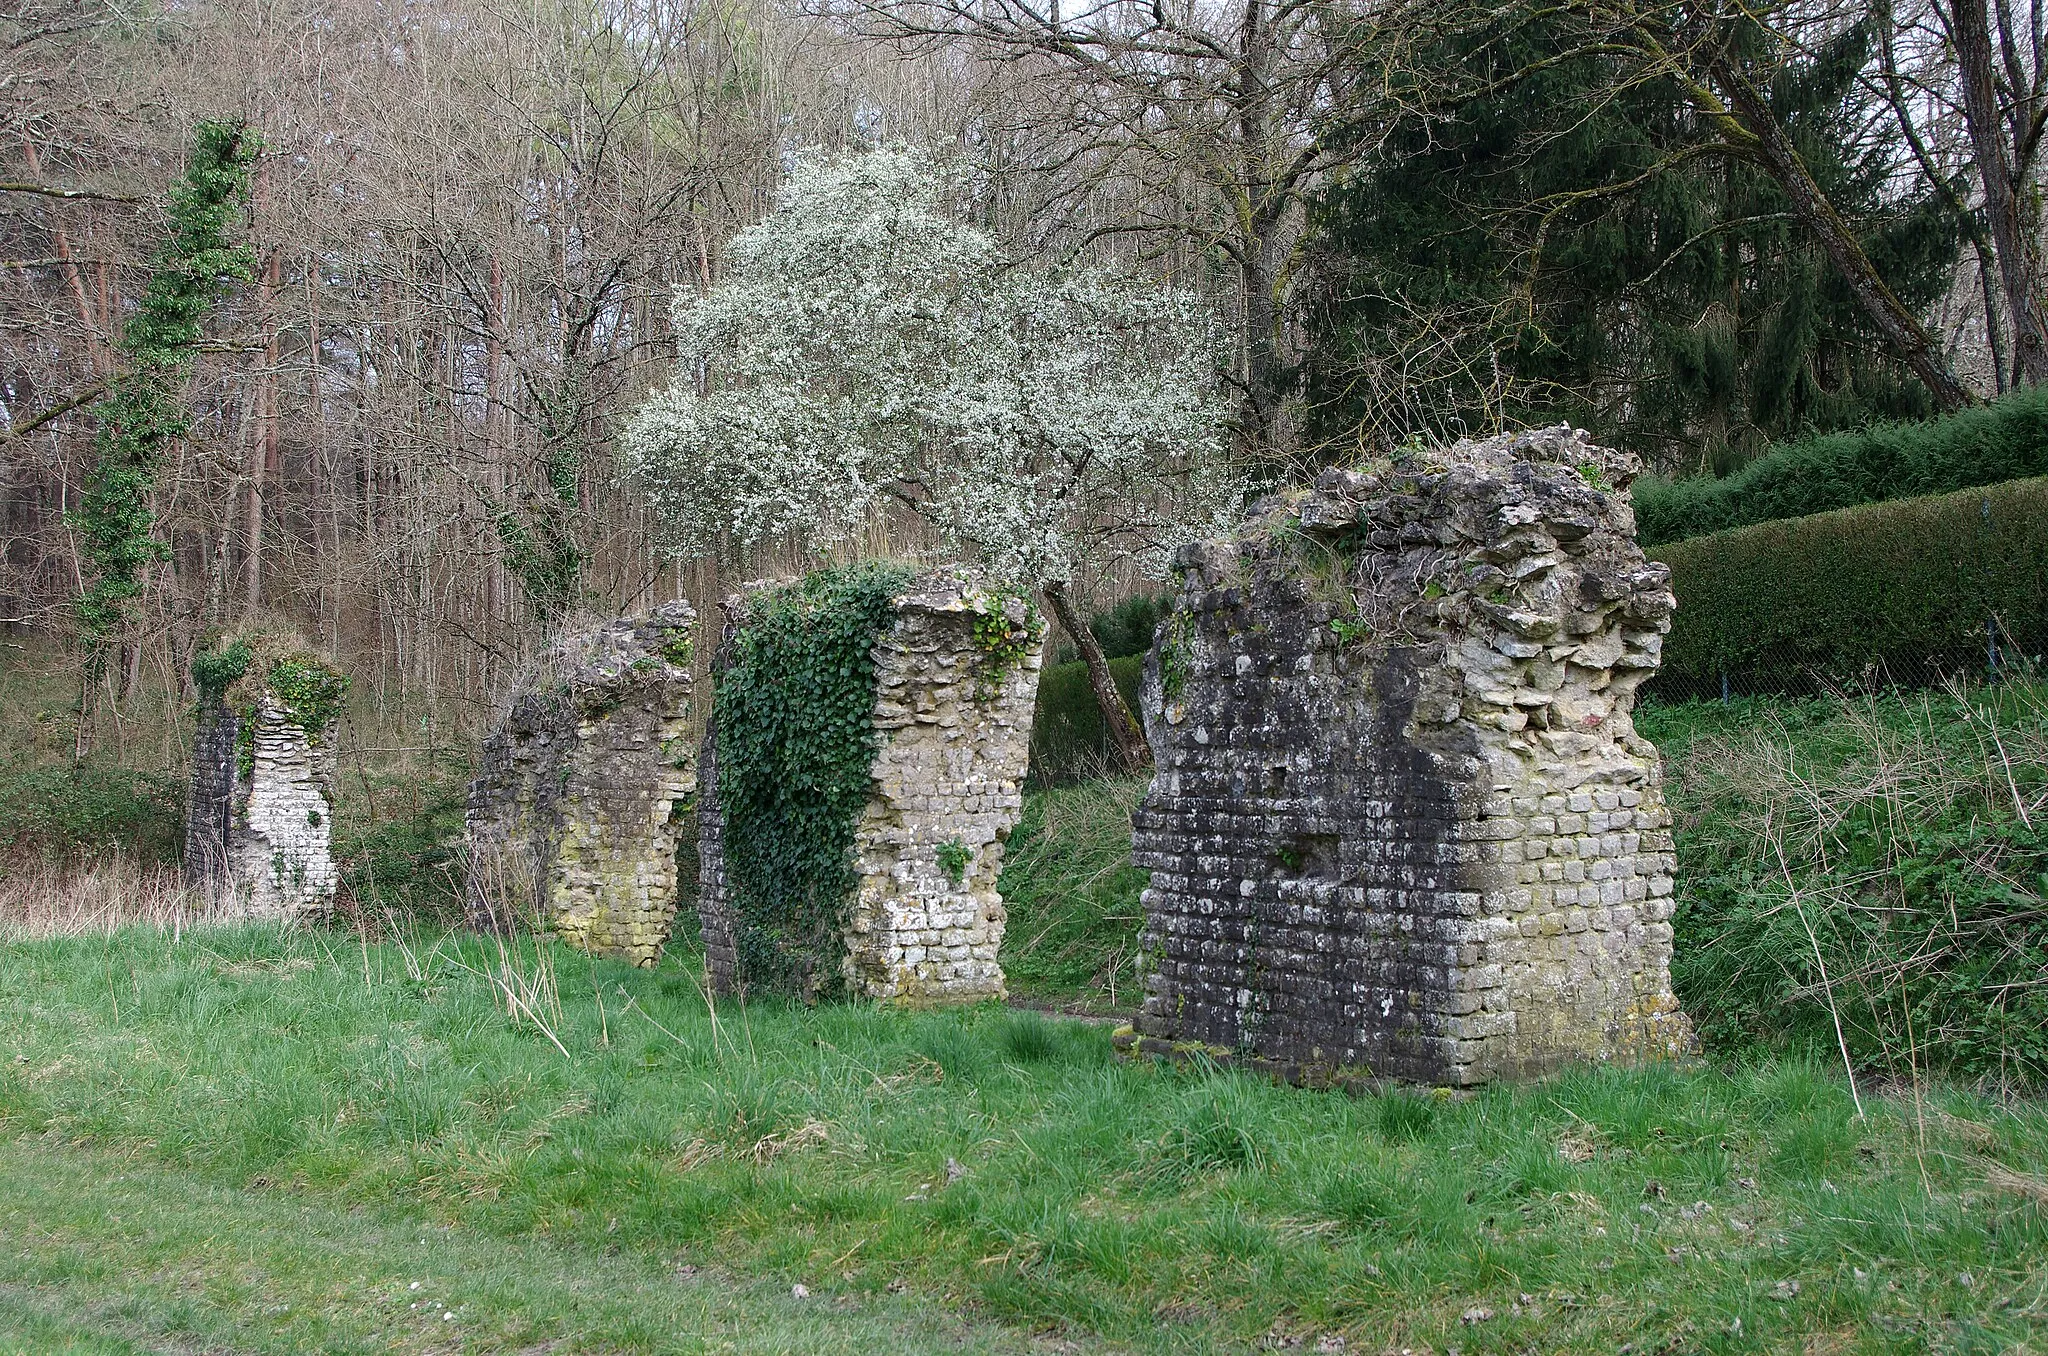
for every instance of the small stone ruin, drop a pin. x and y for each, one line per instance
(571, 818)
(952, 739)
(258, 827)
(1402, 826)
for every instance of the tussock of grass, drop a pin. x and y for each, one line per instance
(1072, 894)
(1011, 1165)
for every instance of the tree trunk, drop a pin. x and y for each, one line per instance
(1972, 33)
(1116, 716)
(1903, 333)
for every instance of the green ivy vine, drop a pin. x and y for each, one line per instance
(235, 669)
(795, 748)
(1003, 643)
(143, 411)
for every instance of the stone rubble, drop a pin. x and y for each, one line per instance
(1402, 825)
(951, 752)
(571, 818)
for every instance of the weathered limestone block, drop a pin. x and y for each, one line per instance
(259, 825)
(570, 821)
(952, 740)
(1401, 824)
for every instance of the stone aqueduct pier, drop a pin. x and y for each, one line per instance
(571, 819)
(1401, 824)
(952, 737)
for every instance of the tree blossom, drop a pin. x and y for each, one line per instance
(869, 347)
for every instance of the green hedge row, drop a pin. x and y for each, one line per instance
(1908, 586)
(1068, 739)
(1982, 446)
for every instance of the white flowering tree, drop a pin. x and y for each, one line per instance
(870, 349)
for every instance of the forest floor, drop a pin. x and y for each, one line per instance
(251, 1140)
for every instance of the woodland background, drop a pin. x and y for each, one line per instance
(1696, 231)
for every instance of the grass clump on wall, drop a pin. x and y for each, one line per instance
(1909, 586)
(1983, 446)
(1880, 861)
(793, 706)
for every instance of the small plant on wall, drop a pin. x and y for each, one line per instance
(954, 858)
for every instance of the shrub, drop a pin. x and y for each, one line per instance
(1982, 446)
(405, 860)
(1069, 741)
(1909, 586)
(65, 811)
(1881, 860)
(1125, 628)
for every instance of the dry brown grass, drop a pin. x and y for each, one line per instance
(43, 896)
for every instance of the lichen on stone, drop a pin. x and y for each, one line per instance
(570, 821)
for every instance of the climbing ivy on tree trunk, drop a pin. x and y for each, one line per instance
(144, 410)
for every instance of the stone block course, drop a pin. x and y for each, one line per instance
(1401, 824)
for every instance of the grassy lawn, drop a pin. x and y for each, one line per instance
(106, 1251)
(253, 1140)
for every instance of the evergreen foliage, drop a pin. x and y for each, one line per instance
(1497, 262)
(1069, 740)
(144, 410)
(1125, 627)
(93, 808)
(795, 746)
(1983, 446)
(1906, 588)
(215, 669)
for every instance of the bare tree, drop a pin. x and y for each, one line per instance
(1209, 125)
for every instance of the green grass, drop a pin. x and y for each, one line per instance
(268, 1099)
(104, 1251)
(1072, 894)
(1875, 861)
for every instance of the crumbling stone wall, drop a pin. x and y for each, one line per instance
(571, 818)
(1401, 824)
(259, 823)
(952, 740)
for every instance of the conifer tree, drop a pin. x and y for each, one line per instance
(1571, 242)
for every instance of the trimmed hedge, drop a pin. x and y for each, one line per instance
(1906, 587)
(1982, 446)
(1069, 742)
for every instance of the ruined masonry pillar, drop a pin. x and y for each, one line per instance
(951, 747)
(1402, 825)
(570, 821)
(259, 824)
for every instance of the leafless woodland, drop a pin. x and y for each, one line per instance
(471, 217)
